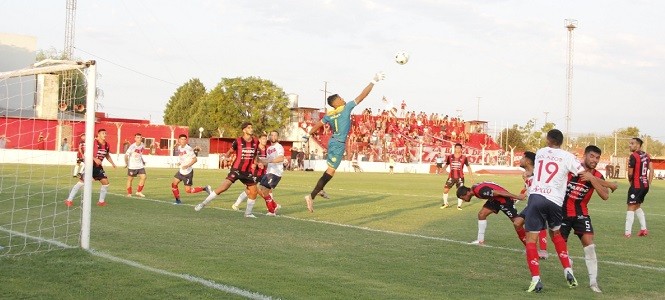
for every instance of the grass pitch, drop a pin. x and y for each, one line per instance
(380, 236)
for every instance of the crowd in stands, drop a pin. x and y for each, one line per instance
(376, 137)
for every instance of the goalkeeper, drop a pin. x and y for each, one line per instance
(339, 120)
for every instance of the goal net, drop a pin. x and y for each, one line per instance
(44, 109)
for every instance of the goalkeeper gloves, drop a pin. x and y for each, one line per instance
(378, 77)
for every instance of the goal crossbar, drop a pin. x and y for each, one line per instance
(47, 66)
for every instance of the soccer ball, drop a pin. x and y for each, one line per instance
(402, 57)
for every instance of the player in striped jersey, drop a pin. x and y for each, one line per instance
(78, 168)
(640, 176)
(100, 151)
(246, 150)
(576, 213)
(135, 165)
(259, 169)
(457, 161)
(498, 199)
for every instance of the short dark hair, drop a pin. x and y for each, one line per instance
(462, 190)
(592, 148)
(332, 98)
(100, 130)
(245, 124)
(182, 135)
(639, 141)
(262, 135)
(530, 156)
(275, 131)
(555, 136)
(138, 134)
(458, 145)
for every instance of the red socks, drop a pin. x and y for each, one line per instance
(542, 238)
(129, 190)
(532, 259)
(561, 250)
(176, 192)
(139, 189)
(521, 233)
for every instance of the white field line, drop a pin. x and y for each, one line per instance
(419, 236)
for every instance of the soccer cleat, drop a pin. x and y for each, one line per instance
(129, 195)
(310, 203)
(251, 216)
(208, 189)
(269, 214)
(277, 208)
(445, 205)
(594, 287)
(69, 203)
(477, 242)
(323, 194)
(459, 208)
(235, 207)
(101, 203)
(199, 207)
(543, 254)
(536, 286)
(643, 232)
(140, 194)
(627, 235)
(177, 201)
(572, 282)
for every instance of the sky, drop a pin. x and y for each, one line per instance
(504, 62)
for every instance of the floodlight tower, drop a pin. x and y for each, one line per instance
(69, 29)
(571, 24)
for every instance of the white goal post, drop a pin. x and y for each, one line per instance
(33, 217)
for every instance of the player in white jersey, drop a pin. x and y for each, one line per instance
(135, 165)
(187, 158)
(546, 194)
(275, 161)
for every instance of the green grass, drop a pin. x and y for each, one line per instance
(380, 237)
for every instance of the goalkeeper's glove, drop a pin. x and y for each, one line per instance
(378, 77)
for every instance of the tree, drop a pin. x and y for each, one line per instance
(237, 100)
(513, 137)
(184, 103)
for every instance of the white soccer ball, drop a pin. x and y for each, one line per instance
(402, 57)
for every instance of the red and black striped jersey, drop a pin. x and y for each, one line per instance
(81, 149)
(578, 194)
(101, 150)
(456, 165)
(485, 190)
(639, 161)
(262, 153)
(245, 153)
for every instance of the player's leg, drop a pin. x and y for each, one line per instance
(174, 187)
(130, 179)
(590, 259)
(72, 193)
(446, 189)
(252, 191)
(460, 182)
(241, 197)
(639, 213)
(190, 189)
(542, 243)
(142, 178)
(534, 222)
(554, 216)
(228, 181)
(103, 190)
(630, 211)
(482, 224)
(518, 223)
(334, 158)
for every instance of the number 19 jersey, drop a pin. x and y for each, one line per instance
(550, 174)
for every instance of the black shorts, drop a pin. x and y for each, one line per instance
(457, 182)
(270, 181)
(541, 213)
(97, 173)
(188, 179)
(636, 196)
(439, 165)
(580, 225)
(508, 208)
(247, 178)
(135, 172)
(79, 160)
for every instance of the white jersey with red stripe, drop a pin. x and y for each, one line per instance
(275, 150)
(135, 155)
(550, 174)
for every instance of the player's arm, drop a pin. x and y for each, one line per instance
(129, 150)
(508, 194)
(377, 77)
(650, 173)
(314, 129)
(597, 184)
(108, 157)
(630, 168)
(468, 167)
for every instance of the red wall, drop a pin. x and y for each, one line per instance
(23, 133)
